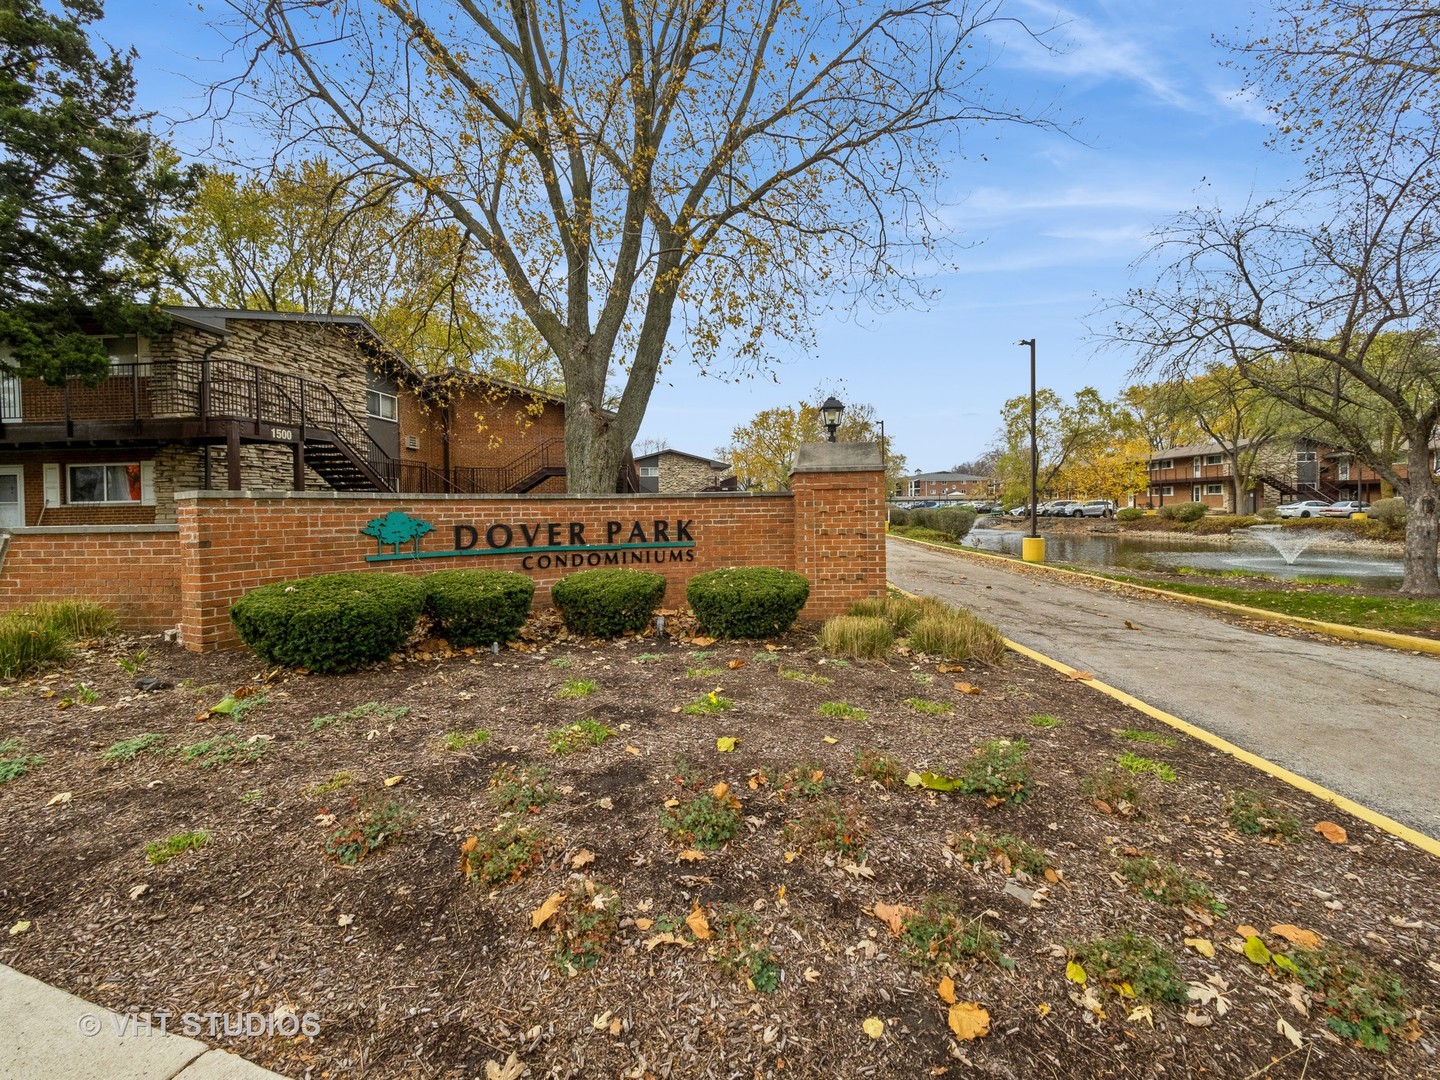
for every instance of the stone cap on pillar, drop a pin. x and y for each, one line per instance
(838, 457)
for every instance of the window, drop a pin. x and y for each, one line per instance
(1160, 466)
(381, 406)
(1214, 459)
(1214, 489)
(1167, 491)
(1344, 470)
(129, 355)
(650, 470)
(105, 483)
(1304, 456)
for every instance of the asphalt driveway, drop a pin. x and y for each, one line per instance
(1361, 720)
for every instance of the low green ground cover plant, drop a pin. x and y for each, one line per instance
(128, 749)
(998, 770)
(842, 710)
(1140, 735)
(791, 675)
(581, 735)
(1044, 721)
(339, 782)
(371, 712)
(830, 824)
(1156, 879)
(14, 762)
(1008, 852)
(806, 781)
(1135, 763)
(371, 824)
(927, 707)
(1255, 815)
(1360, 1001)
(575, 689)
(707, 821)
(706, 704)
(883, 768)
(332, 623)
(608, 603)
(503, 854)
(747, 601)
(160, 852)
(1116, 791)
(463, 740)
(520, 787)
(740, 950)
(939, 935)
(223, 750)
(1133, 966)
(585, 922)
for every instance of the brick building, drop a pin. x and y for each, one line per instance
(243, 400)
(673, 470)
(951, 485)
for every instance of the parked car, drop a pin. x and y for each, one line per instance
(1097, 508)
(1307, 509)
(986, 507)
(1345, 508)
(1066, 508)
(1023, 510)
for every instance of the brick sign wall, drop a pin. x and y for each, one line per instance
(830, 528)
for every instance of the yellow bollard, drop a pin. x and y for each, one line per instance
(1359, 517)
(1032, 549)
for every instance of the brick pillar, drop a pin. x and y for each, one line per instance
(839, 491)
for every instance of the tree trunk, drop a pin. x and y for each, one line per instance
(1421, 526)
(592, 453)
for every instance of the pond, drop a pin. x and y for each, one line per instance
(1118, 551)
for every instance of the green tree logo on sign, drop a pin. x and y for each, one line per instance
(397, 528)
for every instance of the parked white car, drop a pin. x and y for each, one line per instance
(1307, 509)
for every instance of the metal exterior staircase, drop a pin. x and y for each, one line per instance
(1321, 489)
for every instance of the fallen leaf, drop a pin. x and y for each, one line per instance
(1256, 951)
(644, 924)
(1081, 675)
(667, 939)
(1332, 832)
(344, 920)
(1043, 1009)
(1052, 876)
(1197, 1019)
(602, 1021)
(703, 642)
(946, 669)
(1142, 1012)
(391, 781)
(1130, 625)
(606, 803)
(1246, 930)
(138, 891)
(967, 688)
(691, 855)
(947, 990)
(1075, 973)
(699, 925)
(20, 927)
(968, 1021)
(546, 911)
(1284, 1028)
(893, 916)
(725, 743)
(874, 1027)
(736, 664)
(1306, 939)
(633, 750)
(1204, 946)
(63, 797)
(513, 1069)
(616, 1026)
(857, 870)
(811, 975)
(583, 857)
(720, 790)
(932, 781)
(832, 741)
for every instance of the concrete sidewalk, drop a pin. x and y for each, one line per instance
(46, 1033)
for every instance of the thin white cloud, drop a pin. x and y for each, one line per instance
(1245, 103)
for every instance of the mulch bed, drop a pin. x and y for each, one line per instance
(411, 970)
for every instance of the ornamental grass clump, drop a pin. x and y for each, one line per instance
(957, 635)
(332, 623)
(478, 607)
(608, 603)
(864, 637)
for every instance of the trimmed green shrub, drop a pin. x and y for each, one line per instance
(476, 607)
(747, 601)
(607, 603)
(1130, 513)
(1187, 511)
(954, 521)
(899, 518)
(331, 623)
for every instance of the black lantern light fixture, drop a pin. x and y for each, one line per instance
(830, 415)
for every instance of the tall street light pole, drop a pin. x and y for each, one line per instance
(1032, 546)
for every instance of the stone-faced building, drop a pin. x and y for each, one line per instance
(669, 471)
(232, 400)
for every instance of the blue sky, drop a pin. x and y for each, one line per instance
(1052, 223)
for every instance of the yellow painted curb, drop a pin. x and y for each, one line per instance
(1295, 780)
(1388, 638)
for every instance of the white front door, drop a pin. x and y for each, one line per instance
(12, 497)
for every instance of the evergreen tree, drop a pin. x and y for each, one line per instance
(84, 193)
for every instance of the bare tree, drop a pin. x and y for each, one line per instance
(722, 165)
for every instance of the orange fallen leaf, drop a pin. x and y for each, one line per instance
(720, 790)
(967, 688)
(644, 924)
(968, 1021)
(546, 911)
(1306, 939)
(947, 669)
(1081, 675)
(699, 925)
(581, 858)
(690, 855)
(736, 664)
(703, 642)
(632, 750)
(893, 916)
(1332, 832)
(1245, 930)
(947, 990)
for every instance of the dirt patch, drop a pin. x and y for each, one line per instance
(411, 971)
